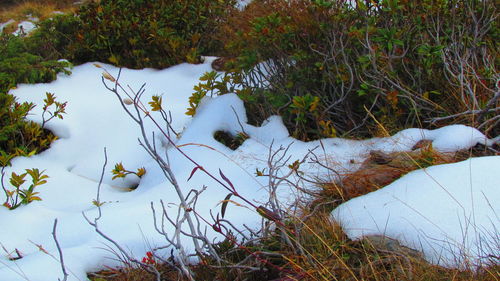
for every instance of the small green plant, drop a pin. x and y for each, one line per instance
(18, 194)
(21, 137)
(302, 107)
(212, 84)
(19, 63)
(59, 108)
(120, 172)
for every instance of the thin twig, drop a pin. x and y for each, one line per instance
(59, 250)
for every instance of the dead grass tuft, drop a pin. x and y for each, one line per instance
(24, 10)
(134, 274)
(330, 255)
(381, 169)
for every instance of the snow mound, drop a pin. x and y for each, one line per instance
(449, 212)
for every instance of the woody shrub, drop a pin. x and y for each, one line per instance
(19, 65)
(140, 33)
(332, 68)
(55, 38)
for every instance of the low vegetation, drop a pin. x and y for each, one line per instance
(18, 65)
(33, 10)
(312, 247)
(326, 67)
(137, 34)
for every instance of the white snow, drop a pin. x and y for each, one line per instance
(95, 121)
(25, 27)
(450, 212)
(241, 4)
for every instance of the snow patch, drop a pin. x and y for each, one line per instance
(449, 212)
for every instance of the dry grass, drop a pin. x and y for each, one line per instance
(133, 274)
(327, 254)
(319, 248)
(380, 169)
(330, 255)
(40, 9)
(369, 259)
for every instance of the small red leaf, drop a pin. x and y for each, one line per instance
(224, 204)
(216, 228)
(226, 180)
(193, 171)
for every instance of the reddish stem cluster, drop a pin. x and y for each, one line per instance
(149, 258)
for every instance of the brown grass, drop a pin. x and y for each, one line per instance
(325, 254)
(134, 274)
(320, 250)
(41, 9)
(334, 257)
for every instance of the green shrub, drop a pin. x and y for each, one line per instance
(19, 64)
(19, 136)
(140, 33)
(55, 38)
(133, 34)
(329, 68)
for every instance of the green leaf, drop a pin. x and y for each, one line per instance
(113, 59)
(17, 180)
(398, 42)
(49, 99)
(97, 203)
(141, 172)
(155, 103)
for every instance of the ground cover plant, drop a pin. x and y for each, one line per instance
(323, 65)
(19, 65)
(134, 34)
(246, 258)
(142, 34)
